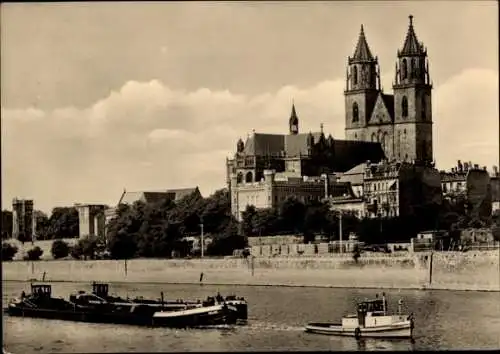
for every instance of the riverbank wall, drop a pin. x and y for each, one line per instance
(475, 270)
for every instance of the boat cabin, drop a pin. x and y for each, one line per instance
(100, 289)
(377, 306)
(41, 290)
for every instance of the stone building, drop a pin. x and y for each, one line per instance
(401, 122)
(91, 219)
(473, 184)
(23, 219)
(274, 188)
(396, 189)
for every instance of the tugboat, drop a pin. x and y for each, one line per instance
(240, 304)
(371, 320)
(85, 307)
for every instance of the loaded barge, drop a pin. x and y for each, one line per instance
(90, 307)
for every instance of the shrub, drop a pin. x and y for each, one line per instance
(34, 254)
(60, 249)
(76, 251)
(8, 251)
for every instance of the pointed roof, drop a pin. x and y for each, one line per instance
(362, 51)
(293, 115)
(411, 45)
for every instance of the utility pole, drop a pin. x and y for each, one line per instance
(202, 240)
(340, 231)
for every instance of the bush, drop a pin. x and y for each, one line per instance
(34, 254)
(76, 251)
(8, 251)
(60, 249)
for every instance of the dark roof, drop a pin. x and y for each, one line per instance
(348, 153)
(294, 119)
(296, 145)
(411, 45)
(150, 197)
(362, 52)
(264, 144)
(389, 104)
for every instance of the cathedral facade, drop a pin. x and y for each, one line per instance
(401, 122)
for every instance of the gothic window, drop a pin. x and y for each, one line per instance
(413, 68)
(404, 69)
(259, 176)
(404, 107)
(239, 178)
(355, 112)
(374, 137)
(355, 75)
(249, 177)
(424, 109)
(385, 141)
(355, 136)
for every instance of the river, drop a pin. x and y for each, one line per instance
(444, 320)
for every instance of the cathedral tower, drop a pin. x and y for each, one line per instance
(362, 88)
(293, 122)
(412, 102)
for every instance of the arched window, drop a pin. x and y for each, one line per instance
(385, 141)
(249, 177)
(424, 109)
(355, 112)
(413, 68)
(355, 75)
(404, 69)
(355, 136)
(374, 137)
(239, 178)
(259, 176)
(404, 107)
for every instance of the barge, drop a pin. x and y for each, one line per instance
(89, 307)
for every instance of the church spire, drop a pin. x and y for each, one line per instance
(362, 52)
(411, 45)
(293, 121)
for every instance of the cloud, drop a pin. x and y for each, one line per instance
(149, 136)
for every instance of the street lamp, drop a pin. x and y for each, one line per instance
(202, 243)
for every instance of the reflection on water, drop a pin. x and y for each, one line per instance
(444, 320)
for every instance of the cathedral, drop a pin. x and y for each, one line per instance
(392, 130)
(401, 122)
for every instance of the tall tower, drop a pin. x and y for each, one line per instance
(412, 102)
(362, 88)
(293, 121)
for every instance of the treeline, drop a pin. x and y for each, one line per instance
(310, 218)
(158, 229)
(62, 223)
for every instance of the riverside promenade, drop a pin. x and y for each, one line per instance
(474, 270)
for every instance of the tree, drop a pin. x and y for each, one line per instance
(8, 251)
(63, 223)
(123, 230)
(6, 224)
(42, 227)
(34, 254)
(225, 243)
(292, 213)
(60, 249)
(247, 220)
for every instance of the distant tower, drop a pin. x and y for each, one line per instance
(23, 220)
(293, 122)
(362, 88)
(412, 101)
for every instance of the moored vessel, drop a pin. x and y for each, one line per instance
(372, 320)
(90, 307)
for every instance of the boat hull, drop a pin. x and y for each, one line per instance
(181, 319)
(396, 330)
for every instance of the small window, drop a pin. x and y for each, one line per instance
(404, 107)
(355, 112)
(355, 75)
(404, 70)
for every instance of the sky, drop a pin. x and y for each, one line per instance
(101, 97)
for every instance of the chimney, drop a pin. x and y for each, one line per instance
(466, 166)
(460, 166)
(495, 171)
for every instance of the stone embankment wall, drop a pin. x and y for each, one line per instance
(446, 270)
(45, 245)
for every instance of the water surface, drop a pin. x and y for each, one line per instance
(443, 320)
